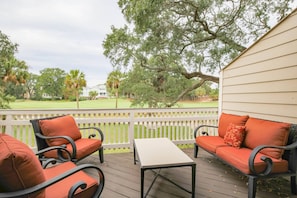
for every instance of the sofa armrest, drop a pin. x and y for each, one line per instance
(58, 178)
(203, 132)
(98, 130)
(266, 159)
(69, 139)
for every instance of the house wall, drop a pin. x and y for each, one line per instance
(262, 81)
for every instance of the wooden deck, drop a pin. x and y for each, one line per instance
(213, 179)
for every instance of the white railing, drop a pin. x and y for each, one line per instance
(120, 126)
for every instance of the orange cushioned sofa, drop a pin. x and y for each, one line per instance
(255, 147)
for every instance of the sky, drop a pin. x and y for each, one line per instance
(65, 34)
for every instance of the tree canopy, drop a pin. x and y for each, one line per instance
(189, 40)
(12, 71)
(51, 82)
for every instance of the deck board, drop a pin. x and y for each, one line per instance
(213, 179)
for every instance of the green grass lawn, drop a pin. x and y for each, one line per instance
(94, 104)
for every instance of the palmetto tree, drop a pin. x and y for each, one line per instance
(75, 81)
(113, 83)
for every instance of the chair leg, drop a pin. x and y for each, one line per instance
(101, 155)
(252, 187)
(293, 185)
(195, 150)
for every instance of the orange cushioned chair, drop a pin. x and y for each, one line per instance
(63, 131)
(21, 174)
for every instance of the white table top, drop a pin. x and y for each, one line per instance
(160, 152)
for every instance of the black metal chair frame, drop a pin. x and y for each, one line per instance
(42, 144)
(72, 190)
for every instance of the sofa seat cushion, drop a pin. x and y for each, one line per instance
(61, 188)
(210, 143)
(60, 126)
(226, 119)
(239, 159)
(265, 132)
(84, 146)
(19, 167)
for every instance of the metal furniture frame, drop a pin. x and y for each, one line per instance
(41, 140)
(156, 154)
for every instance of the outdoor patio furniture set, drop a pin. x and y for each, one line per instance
(255, 147)
(54, 173)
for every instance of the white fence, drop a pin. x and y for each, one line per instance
(120, 126)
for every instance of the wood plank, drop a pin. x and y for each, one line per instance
(213, 179)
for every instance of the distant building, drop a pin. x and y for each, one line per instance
(100, 89)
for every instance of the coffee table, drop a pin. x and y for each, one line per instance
(160, 153)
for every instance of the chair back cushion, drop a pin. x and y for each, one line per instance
(60, 126)
(265, 132)
(19, 167)
(226, 119)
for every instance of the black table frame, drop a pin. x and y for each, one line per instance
(157, 174)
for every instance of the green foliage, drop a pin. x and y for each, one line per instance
(75, 81)
(13, 72)
(113, 83)
(93, 95)
(51, 83)
(31, 87)
(186, 40)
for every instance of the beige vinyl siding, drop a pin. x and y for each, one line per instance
(262, 81)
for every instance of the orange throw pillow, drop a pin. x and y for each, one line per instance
(234, 135)
(226, 119)
(65, 126)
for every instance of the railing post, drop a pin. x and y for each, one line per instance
(9, 125)
(131, 130)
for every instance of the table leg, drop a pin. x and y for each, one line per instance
(134, 152)
(193, 180)
(142, 183)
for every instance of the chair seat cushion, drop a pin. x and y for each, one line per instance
(239, 159)
(61, 188)
(84, 146)
(59, 126)
(19, 167)
(210, 143)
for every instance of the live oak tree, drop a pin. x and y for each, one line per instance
(51, 82)
(186, 39)
(13, 72)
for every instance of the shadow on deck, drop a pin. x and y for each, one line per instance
(213, 179)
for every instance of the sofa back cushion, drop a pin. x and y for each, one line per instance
(226, 119)
(19, 167)
(60, 126)
(265, 132)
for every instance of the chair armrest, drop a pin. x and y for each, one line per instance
(99, 131)
(60, 150)
(203, 132)
(69, 139)
(58, 178)
(266, 159)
